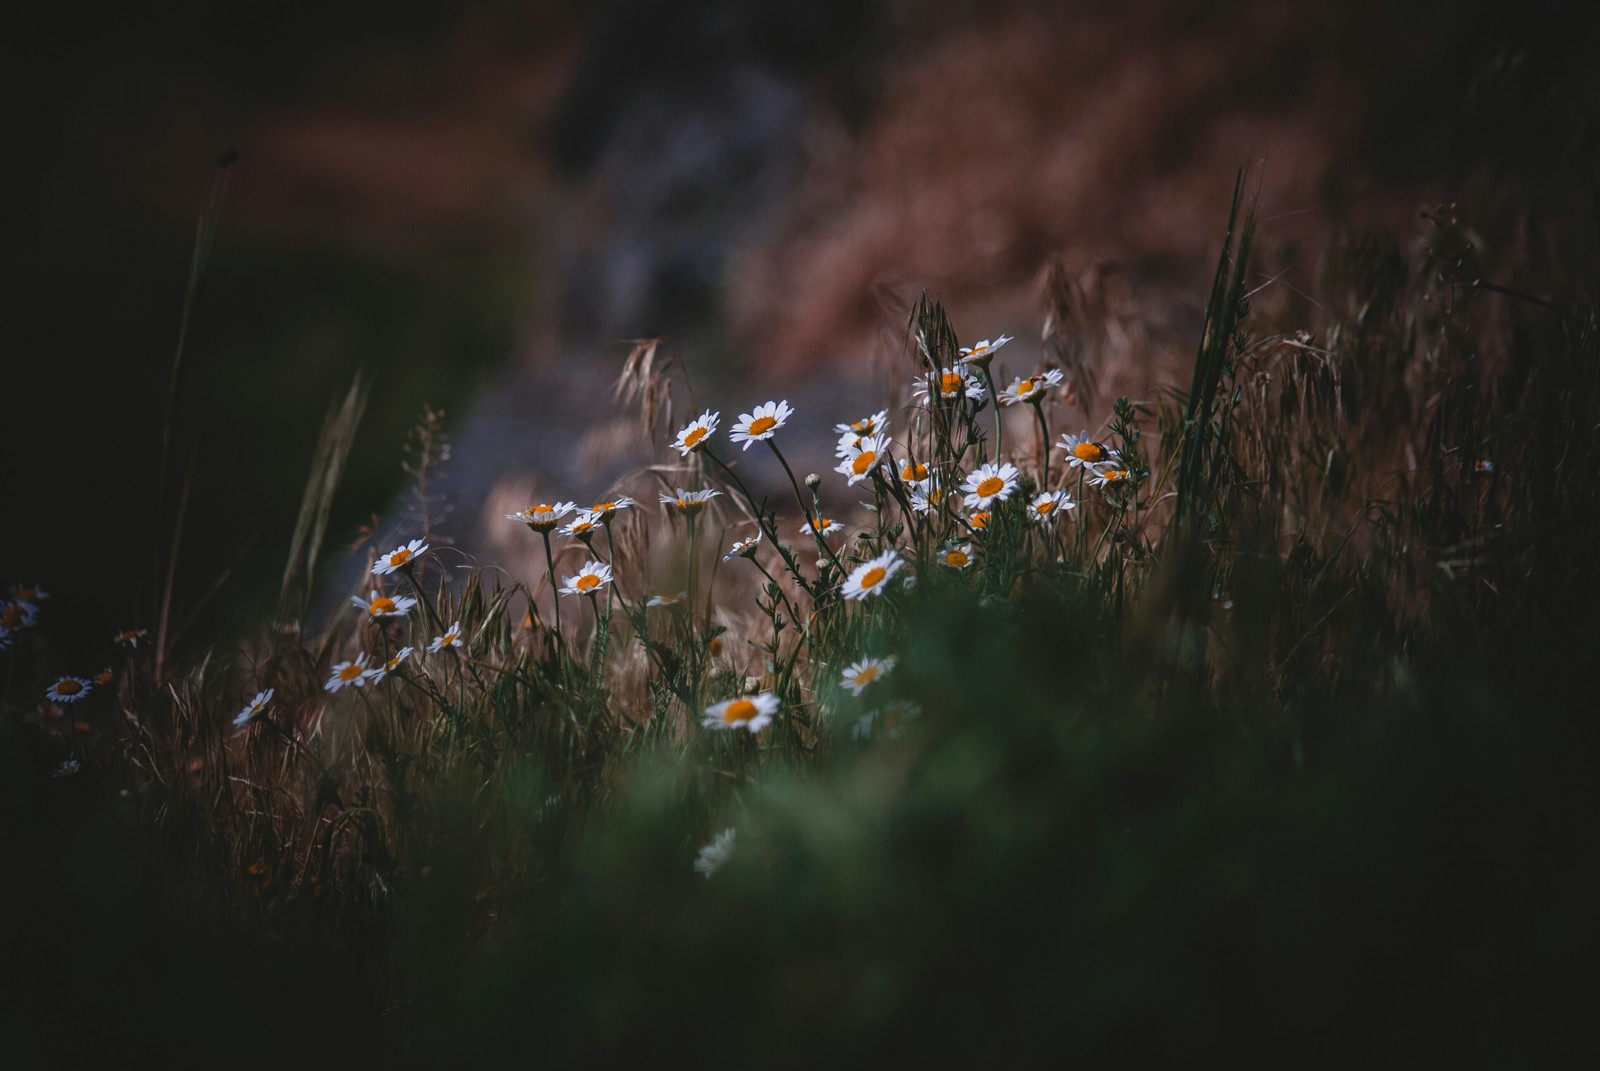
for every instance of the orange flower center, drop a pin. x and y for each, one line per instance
(863, 462)
(868, 675)
(873, 577)
(103, 677)
(822, 524)
(605, 507)
(1114, 475)
(1047, 506)
(694, 436)
(739, 710)
(1025, 387)
(400, 557)
(950, 383)
(542, 507)
(68, 688)
(990, 487)
(863, 426)
(761, 424)
(382, 605)
(914, 471)
(587, 582)
(956, 558)
(1089, 452)
(980, 519)
(351, 672)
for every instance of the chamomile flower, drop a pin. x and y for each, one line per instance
(697, 435)
(346, 674)
(858, 675)
(376, 674)
(689, 503)
(866, 457)
(17, 615)
(872, 576)
(1083, 452)
(1030, 389)
(850, 435)
(752, 712)
(1107, 475)
(763, 423)
(823, 526)
(989, 483)
(543, 516)
(666, 599)
(927, 498)
(979, 520)
(1050, 505)
(956, 555)
(380, 605)
(982, 353)
(915, 473)
(583, 526)
(714, 856)
(68, 690)
(451, 638)
(605, 511)
(253, 708)
(743, 548)
(591, 578)
(130, 637)
(400, 556)
(952, 383)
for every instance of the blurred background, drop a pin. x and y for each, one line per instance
(481, 203)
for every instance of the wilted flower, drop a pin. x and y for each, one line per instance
(400, 556)
(695, 437)
(761, 424)
(858, 675)
(714, 855)
(753, 712)
(988, 483)
(870, 577)
(379, 605)
(253, 708)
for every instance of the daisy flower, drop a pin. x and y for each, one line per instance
(693, 438)
(666, 599)
(130, 637)
(866, 457)
(377, 674)
(716, 854)
(988, 483)
(914, 472)
(823, 526)
(983, 352)
(1030, 389)
(451, 638)
(67, 690)
(743, 548)
(957, 555)
(103, 677)
(388, 563)
(1107, 475)
(583, 526)
(253, 708)
(872, 575)
(1083, 452)
(753, 712)
(385, 606)
(543, 516)
(979, 520)
(344, 674)
(761, 424)
(17, 616)
(591, 578)
(1047, 507)
(872, 425)
(604, 511)
(928, 497)
(858, 675)
(690, 503)
(952, 383)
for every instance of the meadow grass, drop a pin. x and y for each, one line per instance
(1265, 730)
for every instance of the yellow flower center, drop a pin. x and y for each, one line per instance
(739, 710)
(956, 558)
(990, 487)
(914, 471)
(950, 383)
(695, 435)
(761, 424)
(587, 582)
(1047, 506)
(821, 524)
(389, 666)
(1114, 475)
(351, 672)
(581, 527)
(868, 675)
(1025, 387)
(448, 639)
(980, 519)
(863, 426)
(382, 605)
(68, 688)
(543, 507)
(873, 577)
(863, 462)
(1089, 452)
(400, 557)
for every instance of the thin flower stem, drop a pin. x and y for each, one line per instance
(1044, 444)
(550, 567)
(761, 521)
(999, 423)
(816, 529)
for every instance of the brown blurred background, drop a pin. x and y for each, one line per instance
(479, 201)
